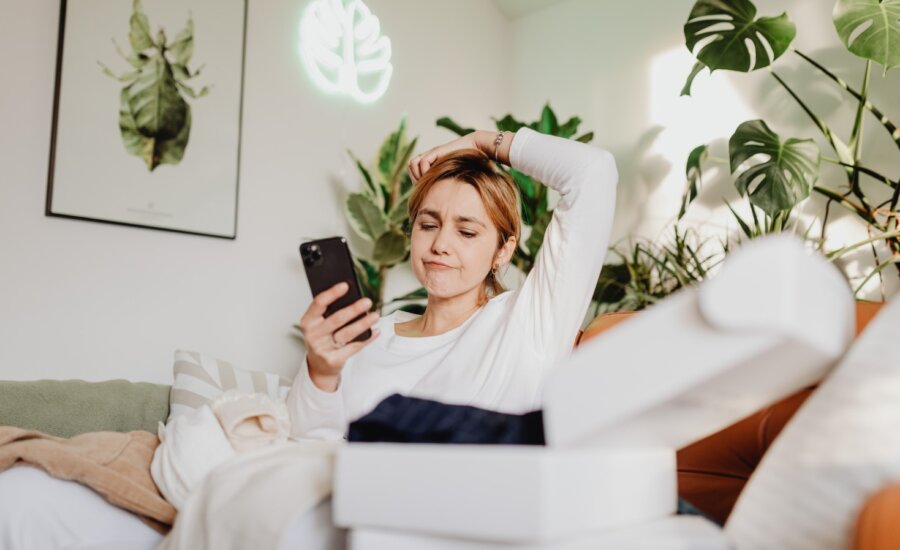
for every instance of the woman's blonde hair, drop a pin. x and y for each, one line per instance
(497, 190)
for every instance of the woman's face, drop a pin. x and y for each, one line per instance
(454, 242)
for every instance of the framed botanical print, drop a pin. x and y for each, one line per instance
(147, 114)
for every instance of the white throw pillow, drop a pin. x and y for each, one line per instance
(842, 446)
(199, 379)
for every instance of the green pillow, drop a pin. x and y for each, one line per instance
(66, 408)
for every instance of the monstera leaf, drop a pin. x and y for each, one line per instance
(870, 29)
(723, 34)
(343, 49)
(686, 90)
(786, 175)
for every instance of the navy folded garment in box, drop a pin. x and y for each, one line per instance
(400, 419)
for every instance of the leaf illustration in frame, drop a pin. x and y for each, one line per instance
(154, 117)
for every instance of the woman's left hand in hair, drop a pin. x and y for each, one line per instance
(482, 140)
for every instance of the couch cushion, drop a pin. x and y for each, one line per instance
(66, 408)
(199, 379)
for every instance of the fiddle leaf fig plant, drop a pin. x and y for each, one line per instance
(379, 215)
(726, 35)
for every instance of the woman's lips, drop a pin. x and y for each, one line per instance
(436, 265)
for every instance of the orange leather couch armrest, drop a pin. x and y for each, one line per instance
(602, 323)
(877, 527)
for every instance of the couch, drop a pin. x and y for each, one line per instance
(711, 472)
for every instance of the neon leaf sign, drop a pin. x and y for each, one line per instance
(343, 50)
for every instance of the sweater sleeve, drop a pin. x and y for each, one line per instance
(315, 414)
(555, 295)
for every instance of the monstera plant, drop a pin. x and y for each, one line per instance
(154, 117)
(774, 173)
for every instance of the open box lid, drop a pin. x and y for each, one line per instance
(774, 320)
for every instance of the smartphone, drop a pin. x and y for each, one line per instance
(328, 262)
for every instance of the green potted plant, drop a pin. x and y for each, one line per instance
(379, 214)
(777, 174)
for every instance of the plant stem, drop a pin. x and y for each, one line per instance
(856, 145)
(829, 135)
(896, 197)
(825, 219)
(892, 260)
(868, 171)
(875, 256)
(833, 141)
(888, 125)
(847, 203)
(841, 251)
(856, 133)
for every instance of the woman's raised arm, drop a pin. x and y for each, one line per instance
(556, 293)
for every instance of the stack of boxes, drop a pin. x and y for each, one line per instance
(773, 321)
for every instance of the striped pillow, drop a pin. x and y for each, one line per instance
(199, 379)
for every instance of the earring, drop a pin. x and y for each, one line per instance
(494, 269)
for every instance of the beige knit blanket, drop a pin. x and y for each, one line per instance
(115, 465)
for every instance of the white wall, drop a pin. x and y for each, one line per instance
(620, 66)
(96, 301)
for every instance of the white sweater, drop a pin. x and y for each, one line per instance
(498, 357)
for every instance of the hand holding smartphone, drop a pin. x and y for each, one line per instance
(336, 325)
(328, 262)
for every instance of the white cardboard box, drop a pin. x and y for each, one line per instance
(672, 533)
(775, 320)
(501, 492)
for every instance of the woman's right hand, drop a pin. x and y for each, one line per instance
(328, 346)
(482, 140)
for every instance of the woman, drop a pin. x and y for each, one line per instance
(476, 344)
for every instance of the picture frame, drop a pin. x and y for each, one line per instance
(147, 114)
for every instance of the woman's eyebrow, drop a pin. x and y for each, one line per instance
(465, 219)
